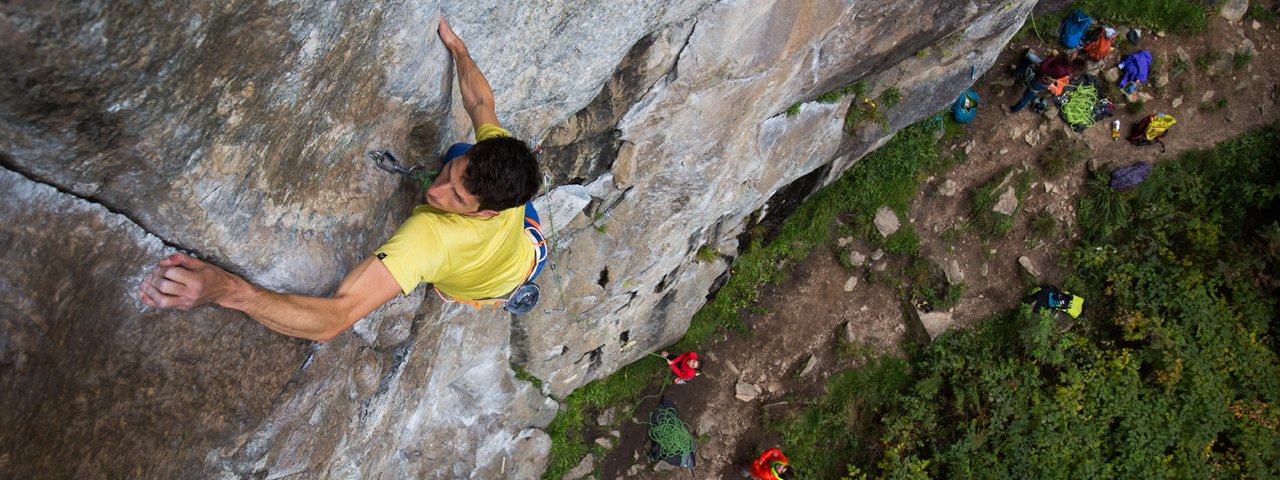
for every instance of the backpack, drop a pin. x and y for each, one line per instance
(1071, 32)
(966, 106)
(1051, 298)
(1099, 44)
(1151, 129)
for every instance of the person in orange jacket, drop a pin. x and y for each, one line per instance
(685, 366)
(770, 465)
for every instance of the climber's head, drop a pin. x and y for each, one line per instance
(494, 175)
(694, 364)
(503, 173)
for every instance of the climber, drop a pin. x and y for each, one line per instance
(770, 465)
(685, 366)
(1053, 72)
(468, 239)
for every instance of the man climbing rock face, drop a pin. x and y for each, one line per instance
(468, 239)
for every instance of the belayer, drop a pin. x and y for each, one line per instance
(469, 238)
(685, 366)
(770, 465)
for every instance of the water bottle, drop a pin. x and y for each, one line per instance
(1115, 130)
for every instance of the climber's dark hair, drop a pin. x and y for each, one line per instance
(502, 173)
(789, 474)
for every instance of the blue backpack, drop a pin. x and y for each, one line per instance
(965, 107)
(1071, 33)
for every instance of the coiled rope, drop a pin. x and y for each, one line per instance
(670, 434)
(1079, 108)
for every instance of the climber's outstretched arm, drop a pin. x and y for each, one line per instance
(184, 282)
(477, 96)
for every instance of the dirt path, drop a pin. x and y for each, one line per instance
(806, 315)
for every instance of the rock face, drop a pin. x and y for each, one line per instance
(237, 130)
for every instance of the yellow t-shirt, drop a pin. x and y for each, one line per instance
(468, 258)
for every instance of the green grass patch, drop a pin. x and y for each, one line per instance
(1062, 153)
(1259, 10)
(1135, 107)
(988, 222)
(1241, 59)
(522, 374)
(1043, 226)
(1205, 61)
(1173, 16)
(1215, 106)
(1178, 66)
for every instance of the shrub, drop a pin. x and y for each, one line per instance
(1062, 153)
(1241, 59)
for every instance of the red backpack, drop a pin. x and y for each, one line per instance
(1099, 45)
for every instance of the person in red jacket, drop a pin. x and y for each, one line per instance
(685, 366)
(771, 465)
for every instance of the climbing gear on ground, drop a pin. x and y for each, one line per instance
(1130, 176)
(1078, 110)
(965, 108)
(1052, 298)
(672, 442)
(1134, 68)
(1099, 43)
(1151, 129)
(1039, 105)
(1071, 32)
(1134, 36)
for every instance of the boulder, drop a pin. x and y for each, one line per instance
(1029, 267)
(808, 365)
(856, 258)
(582, 469)
(886, 221)
(1008, 201)
(745, 391)
(1234, 10)
(948, 188)
(851, 283)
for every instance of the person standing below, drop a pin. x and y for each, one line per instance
(685, 366)
(770, 465)
(468, 239)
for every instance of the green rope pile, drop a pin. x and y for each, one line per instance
(1079, 108)
(670, 434)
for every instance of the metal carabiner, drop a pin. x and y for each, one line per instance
(385, 160)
